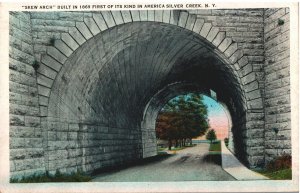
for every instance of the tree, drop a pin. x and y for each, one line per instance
(183, 117)
(211, 135)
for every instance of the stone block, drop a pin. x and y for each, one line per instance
(45, 81)
(31, 121)
(158, 15)
(21, 154)
(225, 44)
(166, 16)
(183, 19)
(62, 136)
(44, 111)
(70, 16)
(231, 49)
(73, 127)
(205, 29)
(57, 55)
(117, 17)
(62, 47)
(58, 155)
(28, 164)
(243, 61)
(212, 34)
(254, 94)
(135, 15)
(52, 22)
(23, 110)
(84, 30)
(219, 38)
(76, 35)
(16, 43)
(20, 132)
(98, 18)
(126, 16)
(51, 62)
(198, 25)
(236, 56)
(143, 15)
(44, 91)
(256, 104)
(69, 41)
(151, 15)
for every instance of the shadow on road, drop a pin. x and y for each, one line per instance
(213, 158)
(139, 162)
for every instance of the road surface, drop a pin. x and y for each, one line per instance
(190, 164)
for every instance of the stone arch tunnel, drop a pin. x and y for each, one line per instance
(102, 77)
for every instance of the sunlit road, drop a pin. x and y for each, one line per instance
(190, 164)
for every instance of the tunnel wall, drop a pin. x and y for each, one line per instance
(277, 83)
(51, 39)
(77, 146)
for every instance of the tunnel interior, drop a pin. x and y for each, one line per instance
(114, 85)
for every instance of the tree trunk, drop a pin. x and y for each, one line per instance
(170, 144)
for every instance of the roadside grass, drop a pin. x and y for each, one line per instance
(284, 174)
(162, 150)
(215, 146)
(58, 177)
(280, 168)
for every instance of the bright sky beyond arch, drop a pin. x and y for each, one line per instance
(217, 117)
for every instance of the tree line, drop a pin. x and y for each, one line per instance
(181, 119)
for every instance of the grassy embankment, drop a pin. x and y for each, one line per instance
(58, 177)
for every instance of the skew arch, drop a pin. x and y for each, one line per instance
(112, 50)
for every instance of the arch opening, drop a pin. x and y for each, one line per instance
(187, 118)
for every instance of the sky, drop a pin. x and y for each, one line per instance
(217, 117)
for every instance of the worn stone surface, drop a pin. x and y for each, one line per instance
(277, 83)
(85, 107)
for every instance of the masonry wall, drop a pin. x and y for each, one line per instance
(26, 149)
(277, 82)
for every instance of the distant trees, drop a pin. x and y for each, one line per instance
(182, 118)
(211, 135)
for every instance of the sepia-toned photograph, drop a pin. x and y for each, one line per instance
(150, 95)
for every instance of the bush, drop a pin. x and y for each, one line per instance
(226, 141)
(281, 162)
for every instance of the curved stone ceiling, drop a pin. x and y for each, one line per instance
(111, 78)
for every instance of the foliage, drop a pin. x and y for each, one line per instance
(183, 117)
(211, 135)
(281, 162)
(280, 22)
(216, 146)
(52, 41)
(285, 174)
(58, 177)
(35, 65)
(226, 141)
